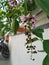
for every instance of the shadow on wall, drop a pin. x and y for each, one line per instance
(45, 26)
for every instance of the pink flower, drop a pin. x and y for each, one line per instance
(12, 3)
(28, 18)
(23, 18)
(33, 20)
(33, 25)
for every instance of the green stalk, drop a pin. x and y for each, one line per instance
(25, 2)
(31, 52)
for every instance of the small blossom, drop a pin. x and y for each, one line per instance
(28, 18)
(13, 3)
(33, 20)
(23, 18)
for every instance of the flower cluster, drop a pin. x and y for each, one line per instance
(30, 23)
(13, 3)
(28, 18)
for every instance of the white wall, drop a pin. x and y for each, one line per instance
(18, 51)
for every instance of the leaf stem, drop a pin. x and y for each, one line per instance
(25, 1)
(40, 50)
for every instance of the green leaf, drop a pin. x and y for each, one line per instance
(0, 12)
(1, 33)
(29, 42)
(3, 29)
(14, 26)
(34, 39)
(38, 32)
(46, 60)
(29, 6)
(44, 4)
(1, 24)
(46, 46)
